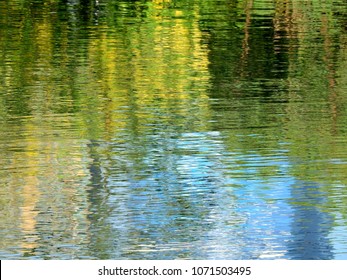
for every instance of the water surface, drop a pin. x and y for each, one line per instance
(173, 129)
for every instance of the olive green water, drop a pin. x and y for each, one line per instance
(173, 129)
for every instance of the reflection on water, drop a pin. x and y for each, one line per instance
(311, 225)
(173, 129)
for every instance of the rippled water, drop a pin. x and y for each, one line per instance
(173, 129)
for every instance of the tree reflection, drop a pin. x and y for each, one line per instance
(172, 129)
(311, 225)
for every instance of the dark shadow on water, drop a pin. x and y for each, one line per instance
(101, 232)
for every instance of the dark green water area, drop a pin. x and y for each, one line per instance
(173, 129)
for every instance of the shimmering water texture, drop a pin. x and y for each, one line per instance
(173, 129)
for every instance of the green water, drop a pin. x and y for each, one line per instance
(173, 129)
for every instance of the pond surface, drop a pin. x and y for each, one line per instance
(173, 129)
